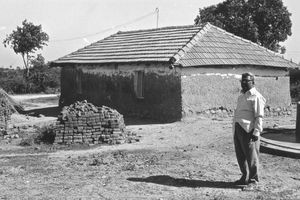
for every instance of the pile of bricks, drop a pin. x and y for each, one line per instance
(82, 122)
(5, 115)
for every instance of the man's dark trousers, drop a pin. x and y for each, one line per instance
(247, 153)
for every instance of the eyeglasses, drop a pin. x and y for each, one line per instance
(245, 81)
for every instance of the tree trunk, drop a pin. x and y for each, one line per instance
(26, 65)
(25, 60)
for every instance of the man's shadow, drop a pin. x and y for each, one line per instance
(180, 182)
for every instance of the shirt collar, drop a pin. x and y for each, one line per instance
(252, 91)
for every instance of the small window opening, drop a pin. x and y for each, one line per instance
(138, 84)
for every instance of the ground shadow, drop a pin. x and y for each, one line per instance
(48, 112)
(140, 121)
(180, 182)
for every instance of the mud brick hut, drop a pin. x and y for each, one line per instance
(171, 72)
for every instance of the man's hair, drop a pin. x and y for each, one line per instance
(244, 75)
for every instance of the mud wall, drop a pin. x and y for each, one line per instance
(113, 86)
(208, 88)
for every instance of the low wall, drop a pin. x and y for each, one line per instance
(222, 112)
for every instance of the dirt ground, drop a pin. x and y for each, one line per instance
(190, 159)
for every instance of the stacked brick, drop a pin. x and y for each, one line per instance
(82, 122)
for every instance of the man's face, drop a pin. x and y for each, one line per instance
(246, 83)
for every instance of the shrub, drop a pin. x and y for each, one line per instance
(46, 135)
(42, 79)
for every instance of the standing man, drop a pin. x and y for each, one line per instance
(247, 126)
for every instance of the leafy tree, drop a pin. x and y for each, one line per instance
(266, 22)
(26, 40)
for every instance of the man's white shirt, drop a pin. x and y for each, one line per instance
(250, 111)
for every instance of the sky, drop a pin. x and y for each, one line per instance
(73, 24)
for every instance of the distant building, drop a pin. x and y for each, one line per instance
(171, 72)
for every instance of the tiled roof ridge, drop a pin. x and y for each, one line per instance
(162, 28)
(252, 43)
(181, 52)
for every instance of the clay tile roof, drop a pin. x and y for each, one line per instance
(135, 46)
(185, 45)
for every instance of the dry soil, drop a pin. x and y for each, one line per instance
(190, 159)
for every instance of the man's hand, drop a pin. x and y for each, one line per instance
(254, 138)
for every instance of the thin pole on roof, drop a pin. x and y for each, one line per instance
(157, 16)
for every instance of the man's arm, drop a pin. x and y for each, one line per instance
(259, 106)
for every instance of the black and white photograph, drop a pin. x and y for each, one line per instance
(149, 100)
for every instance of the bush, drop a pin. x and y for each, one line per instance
(41, 79)
(46, 135)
